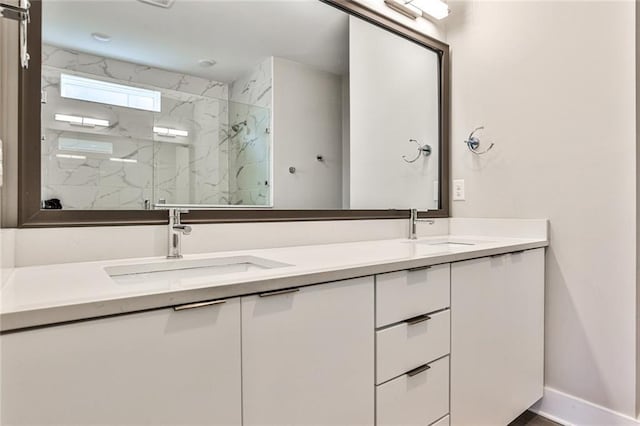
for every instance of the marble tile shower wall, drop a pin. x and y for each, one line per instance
(249, 152)
(250, 109)
(76, 161)
(180, 170)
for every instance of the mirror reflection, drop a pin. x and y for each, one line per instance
(254, 104)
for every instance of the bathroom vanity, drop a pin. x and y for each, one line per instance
(437, 331)
(351, 122)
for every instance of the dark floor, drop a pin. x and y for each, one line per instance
(531, 419)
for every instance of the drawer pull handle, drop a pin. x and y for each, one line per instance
(198, 305)
(518, 252)
(278, 292)
(418, 370)
(417, 320)
(419, 268)
(495, 256)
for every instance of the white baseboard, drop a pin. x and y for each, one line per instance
(571, 411)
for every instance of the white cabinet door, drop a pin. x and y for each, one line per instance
(308, 356)
(160, 367)
(497, 337)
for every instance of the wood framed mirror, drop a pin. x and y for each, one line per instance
(111, 125)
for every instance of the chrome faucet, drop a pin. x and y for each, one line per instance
(414, 222)
(176, 230)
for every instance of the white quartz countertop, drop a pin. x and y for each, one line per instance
(51, 294)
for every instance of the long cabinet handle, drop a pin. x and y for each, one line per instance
(511, 252)
(417, 320)
(418, 370)
(278, 292)
(198, 305)
(419, 268)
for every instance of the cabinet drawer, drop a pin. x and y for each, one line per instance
(405, 294)
(408, 345)
(419, 400)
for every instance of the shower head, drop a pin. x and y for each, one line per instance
(238, 126)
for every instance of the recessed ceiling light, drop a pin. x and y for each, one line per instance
(206, 63)
(104, 38)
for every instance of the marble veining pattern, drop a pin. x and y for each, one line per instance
(213, 165)
(250, 147)
(127, 72)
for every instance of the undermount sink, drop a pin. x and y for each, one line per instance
(449, 243)
(181, 269)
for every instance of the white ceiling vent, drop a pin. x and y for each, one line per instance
(161, 3)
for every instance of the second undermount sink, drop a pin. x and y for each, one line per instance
(449, 243)
(180, 269)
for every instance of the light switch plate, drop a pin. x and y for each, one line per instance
(458, 190)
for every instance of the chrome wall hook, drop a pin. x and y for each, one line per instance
(422, 150)
(473, 142)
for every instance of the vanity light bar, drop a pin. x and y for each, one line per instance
(75, 120)
(434, 8)
(168, 132)
(437, 9)
(74, 157)
(123, 160)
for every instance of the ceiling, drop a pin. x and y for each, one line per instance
(237, 34)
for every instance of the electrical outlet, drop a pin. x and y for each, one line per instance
(458, 190)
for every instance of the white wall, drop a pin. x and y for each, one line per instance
(394, 98)
(307, 116)
(554, 83)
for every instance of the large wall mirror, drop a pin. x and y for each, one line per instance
(252, 110)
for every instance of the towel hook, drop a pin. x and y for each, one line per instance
(422, 150)
(473, 142)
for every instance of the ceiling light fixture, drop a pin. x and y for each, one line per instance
(75, 120)
(170, 133)
(436, 9)
(101, 37)
(73, 157)
(123, 160)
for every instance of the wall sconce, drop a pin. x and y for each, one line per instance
(123, 160)
(437, 9)
(75, 120)
(170, 133)
(73, 157)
